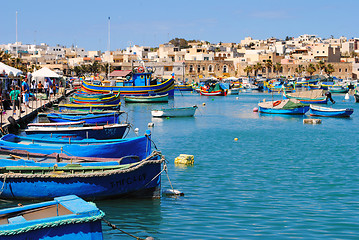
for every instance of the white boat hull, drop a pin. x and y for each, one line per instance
(175, 112)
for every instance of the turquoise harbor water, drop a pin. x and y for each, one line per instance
(282, 179)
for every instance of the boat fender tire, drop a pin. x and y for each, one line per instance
(140, 69)
(276, 103)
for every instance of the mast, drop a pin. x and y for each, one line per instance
(108, 49)
(16, 37)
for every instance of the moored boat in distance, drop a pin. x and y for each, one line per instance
(183, 87)
(89, 118)
(330, 112)
(175, 112)
(287, 106)
(312, 96)
(88, 107)
(112, 131)
(139, 83)
(146, 99)
(66, 217)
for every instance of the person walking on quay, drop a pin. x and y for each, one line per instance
(47, 88)
(33, 86)
(25, 92)
(14, 96)
(40, 87)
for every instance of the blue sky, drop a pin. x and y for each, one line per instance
(149, 23)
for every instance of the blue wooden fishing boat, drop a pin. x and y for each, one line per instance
(112, 131)
(88, 107)
(89, 118)
(111, 148)
(66, 217)
(108, 100)
(57, 125)
(183, 87)
(89, 180)
(338, 89)
(330, 112)
(146, 99)
(287, 106)
(139, 83)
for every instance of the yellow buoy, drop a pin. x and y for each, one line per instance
(204, 104)
(185, 159)
(236, 139)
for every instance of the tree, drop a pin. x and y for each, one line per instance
(180, 42)
(248, 69)
(268, 65)
(104, 68)
(311, 69)
(321, 66)
(95, 67)
(299, 69)
(329, 69)
(257, 67)
(277, 67)
(5, 57)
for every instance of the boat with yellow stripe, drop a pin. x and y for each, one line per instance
(138, 83)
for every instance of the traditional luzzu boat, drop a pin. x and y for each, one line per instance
(112, 131)
(115, 99)
(183, 87)
(138, 84)
(56, 125)
(66, 217)
(330, 112)
(287, 106)
(175, 112)
(216, 90)
(309, 97)
(146, 99)
(89, 118)
(338, 89)
(26, 179)
(111, 148)
(88, 107)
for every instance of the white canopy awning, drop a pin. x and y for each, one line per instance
(45, 72)
(9, 70)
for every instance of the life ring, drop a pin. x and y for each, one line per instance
(140, 69)
(276, 103)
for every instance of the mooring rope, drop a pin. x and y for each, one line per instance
(113, 226)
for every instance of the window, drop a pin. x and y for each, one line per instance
(190, 68)
(210, 68)
(225, 68)
(198, 68)
(340, 70)
(203, 68)
(346, 70)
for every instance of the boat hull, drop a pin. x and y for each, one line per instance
(330, 112)
(88, 107)
(213, 93)
(115, 131)
(166, 87)
(67, 217)
(174, 112)
(112, 148)
(146, 99)
(295, 111)
(142, 180)
(183, 87)
(106, 118)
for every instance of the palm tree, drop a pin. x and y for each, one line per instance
(95, 67)
(248, 69)
(277, 67)
(299, 69)
(311, 69)
(268, 65)
(257, 67)
(104, 68)
(321, 66)
(329, 69)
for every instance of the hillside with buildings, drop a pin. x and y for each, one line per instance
(190, 60)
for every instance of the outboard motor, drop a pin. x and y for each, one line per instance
(329, 96)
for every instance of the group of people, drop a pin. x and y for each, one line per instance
(21, 94)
